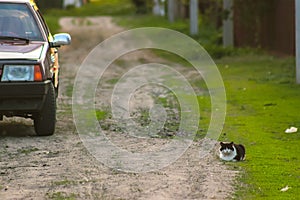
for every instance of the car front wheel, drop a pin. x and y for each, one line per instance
(44, 121)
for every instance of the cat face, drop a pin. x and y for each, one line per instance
(226, 148)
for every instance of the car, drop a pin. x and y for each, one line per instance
(29, 68)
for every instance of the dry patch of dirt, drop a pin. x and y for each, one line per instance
(59, 166)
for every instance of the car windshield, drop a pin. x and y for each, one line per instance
(16, 20)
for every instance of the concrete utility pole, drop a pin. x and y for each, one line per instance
(194, 17)
(297, 16)
(171, 10)
(228, 23)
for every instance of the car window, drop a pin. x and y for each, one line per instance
(44, 24)
(16, 20)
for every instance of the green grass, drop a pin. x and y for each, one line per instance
(101, 115)
(262, 102)
(63, 182)
(27, 150)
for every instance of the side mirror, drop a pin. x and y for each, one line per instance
(61, 39)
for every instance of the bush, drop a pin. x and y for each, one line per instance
(142, 6)
(217, 51)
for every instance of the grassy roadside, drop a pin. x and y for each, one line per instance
(262, 101)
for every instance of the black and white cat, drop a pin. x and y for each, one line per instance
(232, 152)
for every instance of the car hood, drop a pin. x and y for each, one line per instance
(31, 51)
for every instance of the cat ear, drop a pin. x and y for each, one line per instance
(231, 142)
(221, 143)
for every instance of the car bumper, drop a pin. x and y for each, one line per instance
(23, 97)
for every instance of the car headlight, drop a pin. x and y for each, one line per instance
(21, 73)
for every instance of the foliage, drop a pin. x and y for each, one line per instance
(52, 22)
(211, 12)
(43, 4)
(94, 8)
(209, 37)
(142, 6)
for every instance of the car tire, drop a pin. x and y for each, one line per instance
(44, 121)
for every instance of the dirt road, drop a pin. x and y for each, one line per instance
(60, 167)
